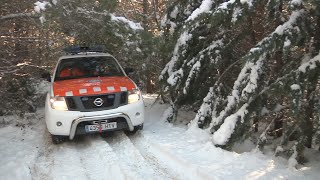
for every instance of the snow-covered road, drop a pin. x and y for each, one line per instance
(160, 151)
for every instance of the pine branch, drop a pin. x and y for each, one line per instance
(225, 72)
(262, 139)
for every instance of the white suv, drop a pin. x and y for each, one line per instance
(90, 93)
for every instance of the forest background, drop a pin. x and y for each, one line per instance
(249, 69)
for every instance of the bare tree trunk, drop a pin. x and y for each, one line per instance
(155, 4)
(307, 126)
(145, 14)
(252, 30)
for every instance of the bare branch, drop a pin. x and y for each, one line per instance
(18, 15)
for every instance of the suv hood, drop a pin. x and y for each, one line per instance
(92, 86)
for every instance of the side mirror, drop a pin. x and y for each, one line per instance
(129, 70)
(46, 76)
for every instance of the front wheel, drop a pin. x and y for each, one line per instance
(58, 139)
(136, 128)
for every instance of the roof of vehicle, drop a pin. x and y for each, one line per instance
(84, 51)
(84, 54)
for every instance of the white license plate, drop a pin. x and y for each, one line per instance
(92, 128)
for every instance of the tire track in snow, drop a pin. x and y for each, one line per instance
(91, 157)
(132, 160)
(43, 163)
(173, 163)
(100, 161)
(84, 158)
(60, 162)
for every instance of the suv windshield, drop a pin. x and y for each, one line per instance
(82, 67)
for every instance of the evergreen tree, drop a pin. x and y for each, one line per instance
(24, 46)
(247, 55)
(34, 34)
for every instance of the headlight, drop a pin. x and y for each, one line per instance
(133, 96)
(58, 103)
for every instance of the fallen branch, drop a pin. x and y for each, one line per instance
(19, 15)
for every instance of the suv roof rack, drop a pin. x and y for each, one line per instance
(84, 49)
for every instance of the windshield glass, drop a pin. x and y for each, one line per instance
(82, 67)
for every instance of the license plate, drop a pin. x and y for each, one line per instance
(92, 128)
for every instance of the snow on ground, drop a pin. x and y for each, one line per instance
(160, 151)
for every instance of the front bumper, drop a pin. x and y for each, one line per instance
(75, 123)
(132, 113)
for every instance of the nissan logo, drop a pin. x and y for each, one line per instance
(98, 102)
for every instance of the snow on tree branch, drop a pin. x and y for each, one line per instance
(296, 2)
(184, 37)
(254, 77)
(289, 24)
(249, 2)
(292, 162)
(206, 109)
(132, 25)
(204, 7)
(175, 76)
(195, 68)
(196, 62)
(233, 100)
(41, 6)
(222, 135)
(311, 64)
(301, 70)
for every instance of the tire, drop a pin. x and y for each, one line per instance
(136, 128)
(58, 139)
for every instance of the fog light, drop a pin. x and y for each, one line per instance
(59, 123)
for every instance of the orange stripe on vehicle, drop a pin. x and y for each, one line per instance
(92, 86)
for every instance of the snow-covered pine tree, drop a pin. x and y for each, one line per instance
(177, 13)
(197, 43)
(207, 44)
(92, 22)
(248, 55)
(95, 22)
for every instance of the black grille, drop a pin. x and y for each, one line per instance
(124, 98)
(88, 101)
(70, 103)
